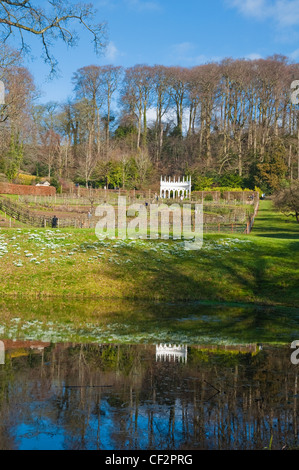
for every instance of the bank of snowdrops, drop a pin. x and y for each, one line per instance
(75, 263)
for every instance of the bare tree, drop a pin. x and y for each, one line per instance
(161, 91)
(137, 95)
(110, 78)
(88, 86)
(50, 149)
(8, 58)
(178, 79)
(287, 201)
(207, 82)
(52, 23)
(21, 91)
(88, 147)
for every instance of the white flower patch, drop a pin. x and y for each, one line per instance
(19, 263)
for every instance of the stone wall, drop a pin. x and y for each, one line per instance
(24, 190)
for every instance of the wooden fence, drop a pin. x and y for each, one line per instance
(150, 194)
(224, 228)
(252, 218)
(26, 216)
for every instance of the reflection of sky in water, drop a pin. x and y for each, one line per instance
(117, 397)
(151, 390)
(46, 435)
(43, 435)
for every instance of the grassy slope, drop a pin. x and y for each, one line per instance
(277, 266)
(264, 269)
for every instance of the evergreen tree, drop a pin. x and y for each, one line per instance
(14, 158)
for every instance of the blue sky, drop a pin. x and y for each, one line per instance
(173, 32)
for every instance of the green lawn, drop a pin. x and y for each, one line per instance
(259, 268)
(14, 197)
(272, 224)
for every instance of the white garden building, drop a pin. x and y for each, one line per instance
(175, 189)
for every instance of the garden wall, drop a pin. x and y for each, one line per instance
(24, 190)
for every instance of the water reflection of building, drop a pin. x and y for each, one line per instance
(171, 353)
(2, 353)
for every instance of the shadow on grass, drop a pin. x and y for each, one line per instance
(272, 224)
(260, 274)
(282, 235)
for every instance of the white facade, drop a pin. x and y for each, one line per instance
(175, 189)
(46, 183)
(2, 353)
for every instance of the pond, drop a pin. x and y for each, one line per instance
(179, 377)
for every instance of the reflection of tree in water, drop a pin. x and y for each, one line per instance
(119, 397)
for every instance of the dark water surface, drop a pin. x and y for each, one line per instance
(75, 396)
(90, 375)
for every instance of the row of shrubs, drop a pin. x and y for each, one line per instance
(222, 190)
(22, 179)
(26, 179)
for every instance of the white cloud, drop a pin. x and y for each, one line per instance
(105, 3)
(141, 5)
(294, 55)
(254, 8)
(136, 5)
(186, 53)
(285, 13)
(112, 53)
(180, 50)
(253, 56)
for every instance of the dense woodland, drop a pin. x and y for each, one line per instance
(230, 123)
